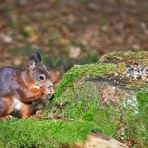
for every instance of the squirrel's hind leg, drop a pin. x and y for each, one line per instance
(6, 107)
(25, 110)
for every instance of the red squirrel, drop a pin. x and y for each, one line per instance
(19, 88)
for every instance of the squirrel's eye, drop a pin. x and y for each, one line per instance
(41, 77)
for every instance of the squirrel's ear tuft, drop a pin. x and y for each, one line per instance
(36, 56)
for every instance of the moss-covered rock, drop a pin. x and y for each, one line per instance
(128, 57)
(90, 97)
(85, 71)
(103, 94)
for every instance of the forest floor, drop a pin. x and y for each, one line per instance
(80, 29)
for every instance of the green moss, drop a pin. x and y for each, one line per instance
(137, 85)
(94, 70)
(143, 100)
(88, 70)
(110, 119)
(138, 130)
(81, 102)
(37, 133)
(127, 57)
(89, 111)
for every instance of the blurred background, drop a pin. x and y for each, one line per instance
(69, 32)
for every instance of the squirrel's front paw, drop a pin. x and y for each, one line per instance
(5, 118)
(49, 91)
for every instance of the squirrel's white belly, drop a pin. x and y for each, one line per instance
(17, 104)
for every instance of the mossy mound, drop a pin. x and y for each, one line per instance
(129, 57)
(39, 133)
(86, 71)
(78, 110)
(76, 98)
(122, 116)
